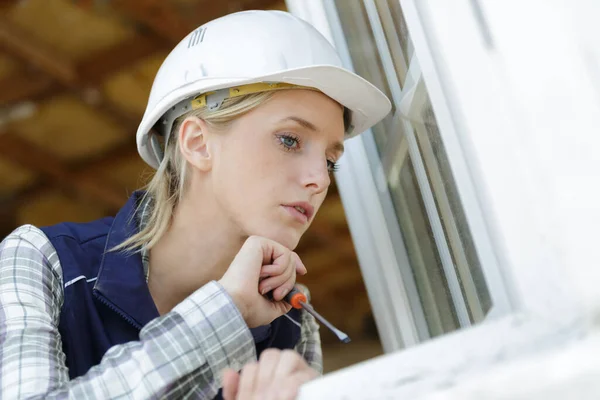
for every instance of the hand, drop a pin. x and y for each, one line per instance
(277, 376)
(257, 259)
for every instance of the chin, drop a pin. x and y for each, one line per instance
(286, 237)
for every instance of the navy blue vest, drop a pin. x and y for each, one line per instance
(106, 297)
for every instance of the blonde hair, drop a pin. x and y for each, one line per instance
(166, 188)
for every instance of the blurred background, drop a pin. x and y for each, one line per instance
(74, 81)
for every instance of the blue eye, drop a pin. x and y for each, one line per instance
(289, 142)
(332, 166)
(292, 143)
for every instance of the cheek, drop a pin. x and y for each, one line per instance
(245, 175)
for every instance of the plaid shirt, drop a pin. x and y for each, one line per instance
(179, 355)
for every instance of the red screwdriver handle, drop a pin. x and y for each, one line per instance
(295, 297)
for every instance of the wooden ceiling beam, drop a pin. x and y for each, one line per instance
(125, 119)
(161, 17)
(32, 85)
(90, 71)
(22, 45)
(207, 11)
(86, 169)
(107, 158)
(80, 78)
(257, 4)
(113, 59)
(42, 162)
(24, 85)
(158, 16)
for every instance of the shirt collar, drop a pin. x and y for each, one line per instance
(122, 276)
(142, 214)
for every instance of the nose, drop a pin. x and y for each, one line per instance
(316, 175)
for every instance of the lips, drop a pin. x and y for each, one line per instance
(300, 210)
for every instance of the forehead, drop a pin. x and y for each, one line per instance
(311, 109)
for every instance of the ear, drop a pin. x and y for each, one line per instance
(193, 143)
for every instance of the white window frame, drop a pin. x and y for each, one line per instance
(510, 99)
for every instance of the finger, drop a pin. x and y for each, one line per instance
(266, 368)
(231, 380)
(288, 387)
(255, 248)
(246, 384)
(300, 267)
(283, 289)
(274, 282)
(276, 269)
(283, 273)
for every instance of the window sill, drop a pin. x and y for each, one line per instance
(512, 358)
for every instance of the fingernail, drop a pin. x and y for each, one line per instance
(265, 290)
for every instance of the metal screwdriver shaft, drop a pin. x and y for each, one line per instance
(298, 300)
(341, 335)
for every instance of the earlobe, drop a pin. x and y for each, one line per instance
(193, 143)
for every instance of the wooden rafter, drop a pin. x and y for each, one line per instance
(24, 85)
(161, 18)
(107, 62)
(156, 15)
(206, 11)
(32, 157)
(22, 45)
(80, 169)
(87, 74)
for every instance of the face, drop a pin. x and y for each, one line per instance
(271, 170)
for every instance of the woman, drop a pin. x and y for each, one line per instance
(244, 124)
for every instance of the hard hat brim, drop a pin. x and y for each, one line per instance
(368, 105)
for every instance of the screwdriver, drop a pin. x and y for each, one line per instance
(298, 300)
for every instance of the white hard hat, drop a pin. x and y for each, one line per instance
(247, 52)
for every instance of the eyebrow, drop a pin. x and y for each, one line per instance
(302, 122)
(338, 146)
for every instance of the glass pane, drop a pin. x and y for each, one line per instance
(452, 215)
(396, 35)
(422, 252)
(400, 25)
(365, 58)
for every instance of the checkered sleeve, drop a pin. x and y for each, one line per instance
(182, 352)
(309, 345)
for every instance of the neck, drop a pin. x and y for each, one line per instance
(198, 247)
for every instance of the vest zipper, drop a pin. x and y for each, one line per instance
(114, 308)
